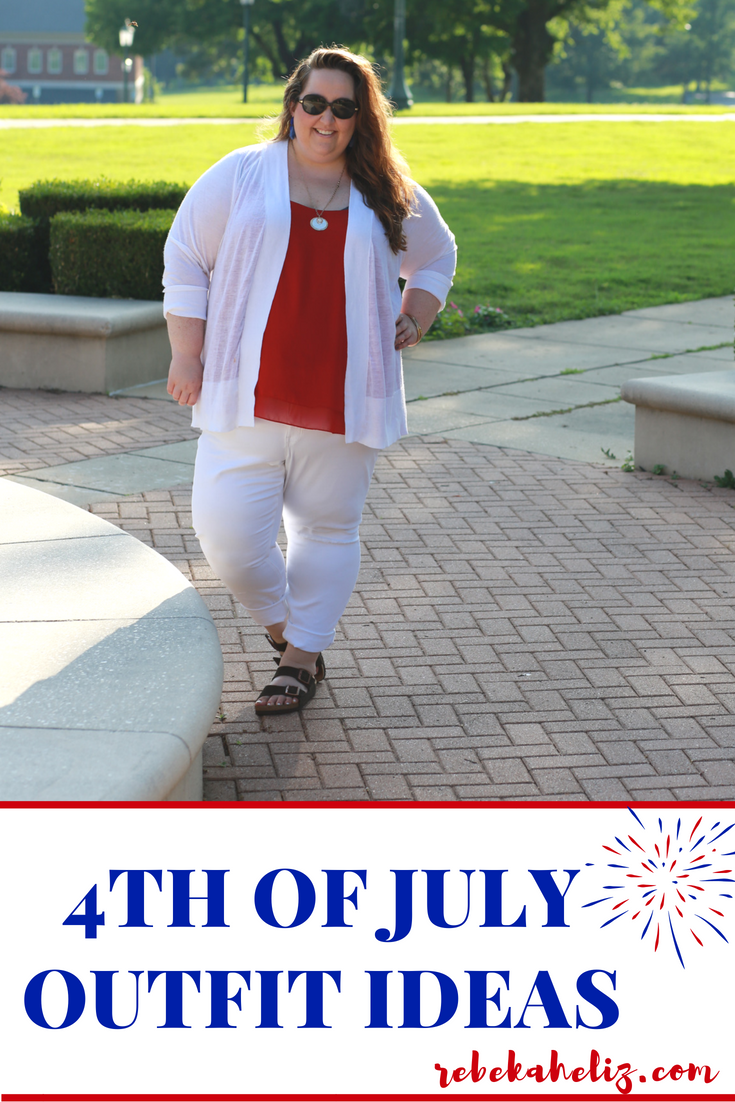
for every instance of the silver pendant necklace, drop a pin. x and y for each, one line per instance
(319, 222)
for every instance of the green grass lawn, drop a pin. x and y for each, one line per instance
(575, 220)
(221, 102)
(552, 221)
(265, 99)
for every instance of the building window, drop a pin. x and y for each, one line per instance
(8, 59)
(81, 62)
(101, 62)
(54, 61)
(35, 60)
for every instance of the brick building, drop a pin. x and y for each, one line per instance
(44, 51)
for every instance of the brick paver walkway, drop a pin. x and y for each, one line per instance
(523, 628)
(39, 428)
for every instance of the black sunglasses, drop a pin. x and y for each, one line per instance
(317, 105)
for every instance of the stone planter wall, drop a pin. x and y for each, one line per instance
(685, 423)
(65, 342)
(112, 669)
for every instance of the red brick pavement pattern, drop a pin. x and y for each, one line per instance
(39, 428)
(523, 628)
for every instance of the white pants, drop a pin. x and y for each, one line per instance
(244, 482)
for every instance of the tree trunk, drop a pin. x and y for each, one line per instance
(591, 81)
(273, 59)
(302, 49)
(289, 57)
(507, 81)
(467, 65)
(487, 80)
(284, 54)
(532, 49)
(593, 53)
(449, 84)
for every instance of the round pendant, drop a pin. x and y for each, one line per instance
(319, 223)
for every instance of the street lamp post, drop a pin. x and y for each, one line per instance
(246, 6)
(126, 36)
(399, 93)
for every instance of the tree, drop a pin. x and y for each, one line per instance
(10, 93)
(464, 35)
(284, 30)
(460, 36)
(590, 47)
(158, 23)
(712, 33)
(527, 25)
(704, 50)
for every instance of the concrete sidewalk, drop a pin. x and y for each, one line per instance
(552, 390)
(528, 624)
(418, 120)
(555, 389)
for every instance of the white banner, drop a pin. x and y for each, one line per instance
(331, 951)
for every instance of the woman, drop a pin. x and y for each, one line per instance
(291, 251)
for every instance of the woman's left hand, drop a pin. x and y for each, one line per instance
(406, 333)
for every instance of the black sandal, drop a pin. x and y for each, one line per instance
(299, 696)
(321, 669)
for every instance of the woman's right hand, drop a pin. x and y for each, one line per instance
(185, 379)
(186, 336)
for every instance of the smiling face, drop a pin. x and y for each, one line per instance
(323, 138)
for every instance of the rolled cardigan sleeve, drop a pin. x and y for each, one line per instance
(430, 259)
(193, 242)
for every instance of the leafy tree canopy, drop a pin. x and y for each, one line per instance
(462, 34)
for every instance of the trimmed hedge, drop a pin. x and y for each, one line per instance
(109, 254)
(46, 198)
(24, 264)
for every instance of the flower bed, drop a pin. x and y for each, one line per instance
(453, 322)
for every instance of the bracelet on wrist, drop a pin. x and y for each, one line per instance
(419, 330)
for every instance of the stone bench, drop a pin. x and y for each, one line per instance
(685, 423)
(67, 342)
(112, 670)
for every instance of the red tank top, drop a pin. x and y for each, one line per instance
(304, 355)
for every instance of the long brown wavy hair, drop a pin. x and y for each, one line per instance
(373, 162)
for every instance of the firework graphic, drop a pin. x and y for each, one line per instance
(670, 879)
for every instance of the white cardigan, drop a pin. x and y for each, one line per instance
(223, 260)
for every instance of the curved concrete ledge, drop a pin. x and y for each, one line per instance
(67, 342)
(711, 394)
(112, 670)
(684, 423)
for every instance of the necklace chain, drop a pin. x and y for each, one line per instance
(319, 213)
